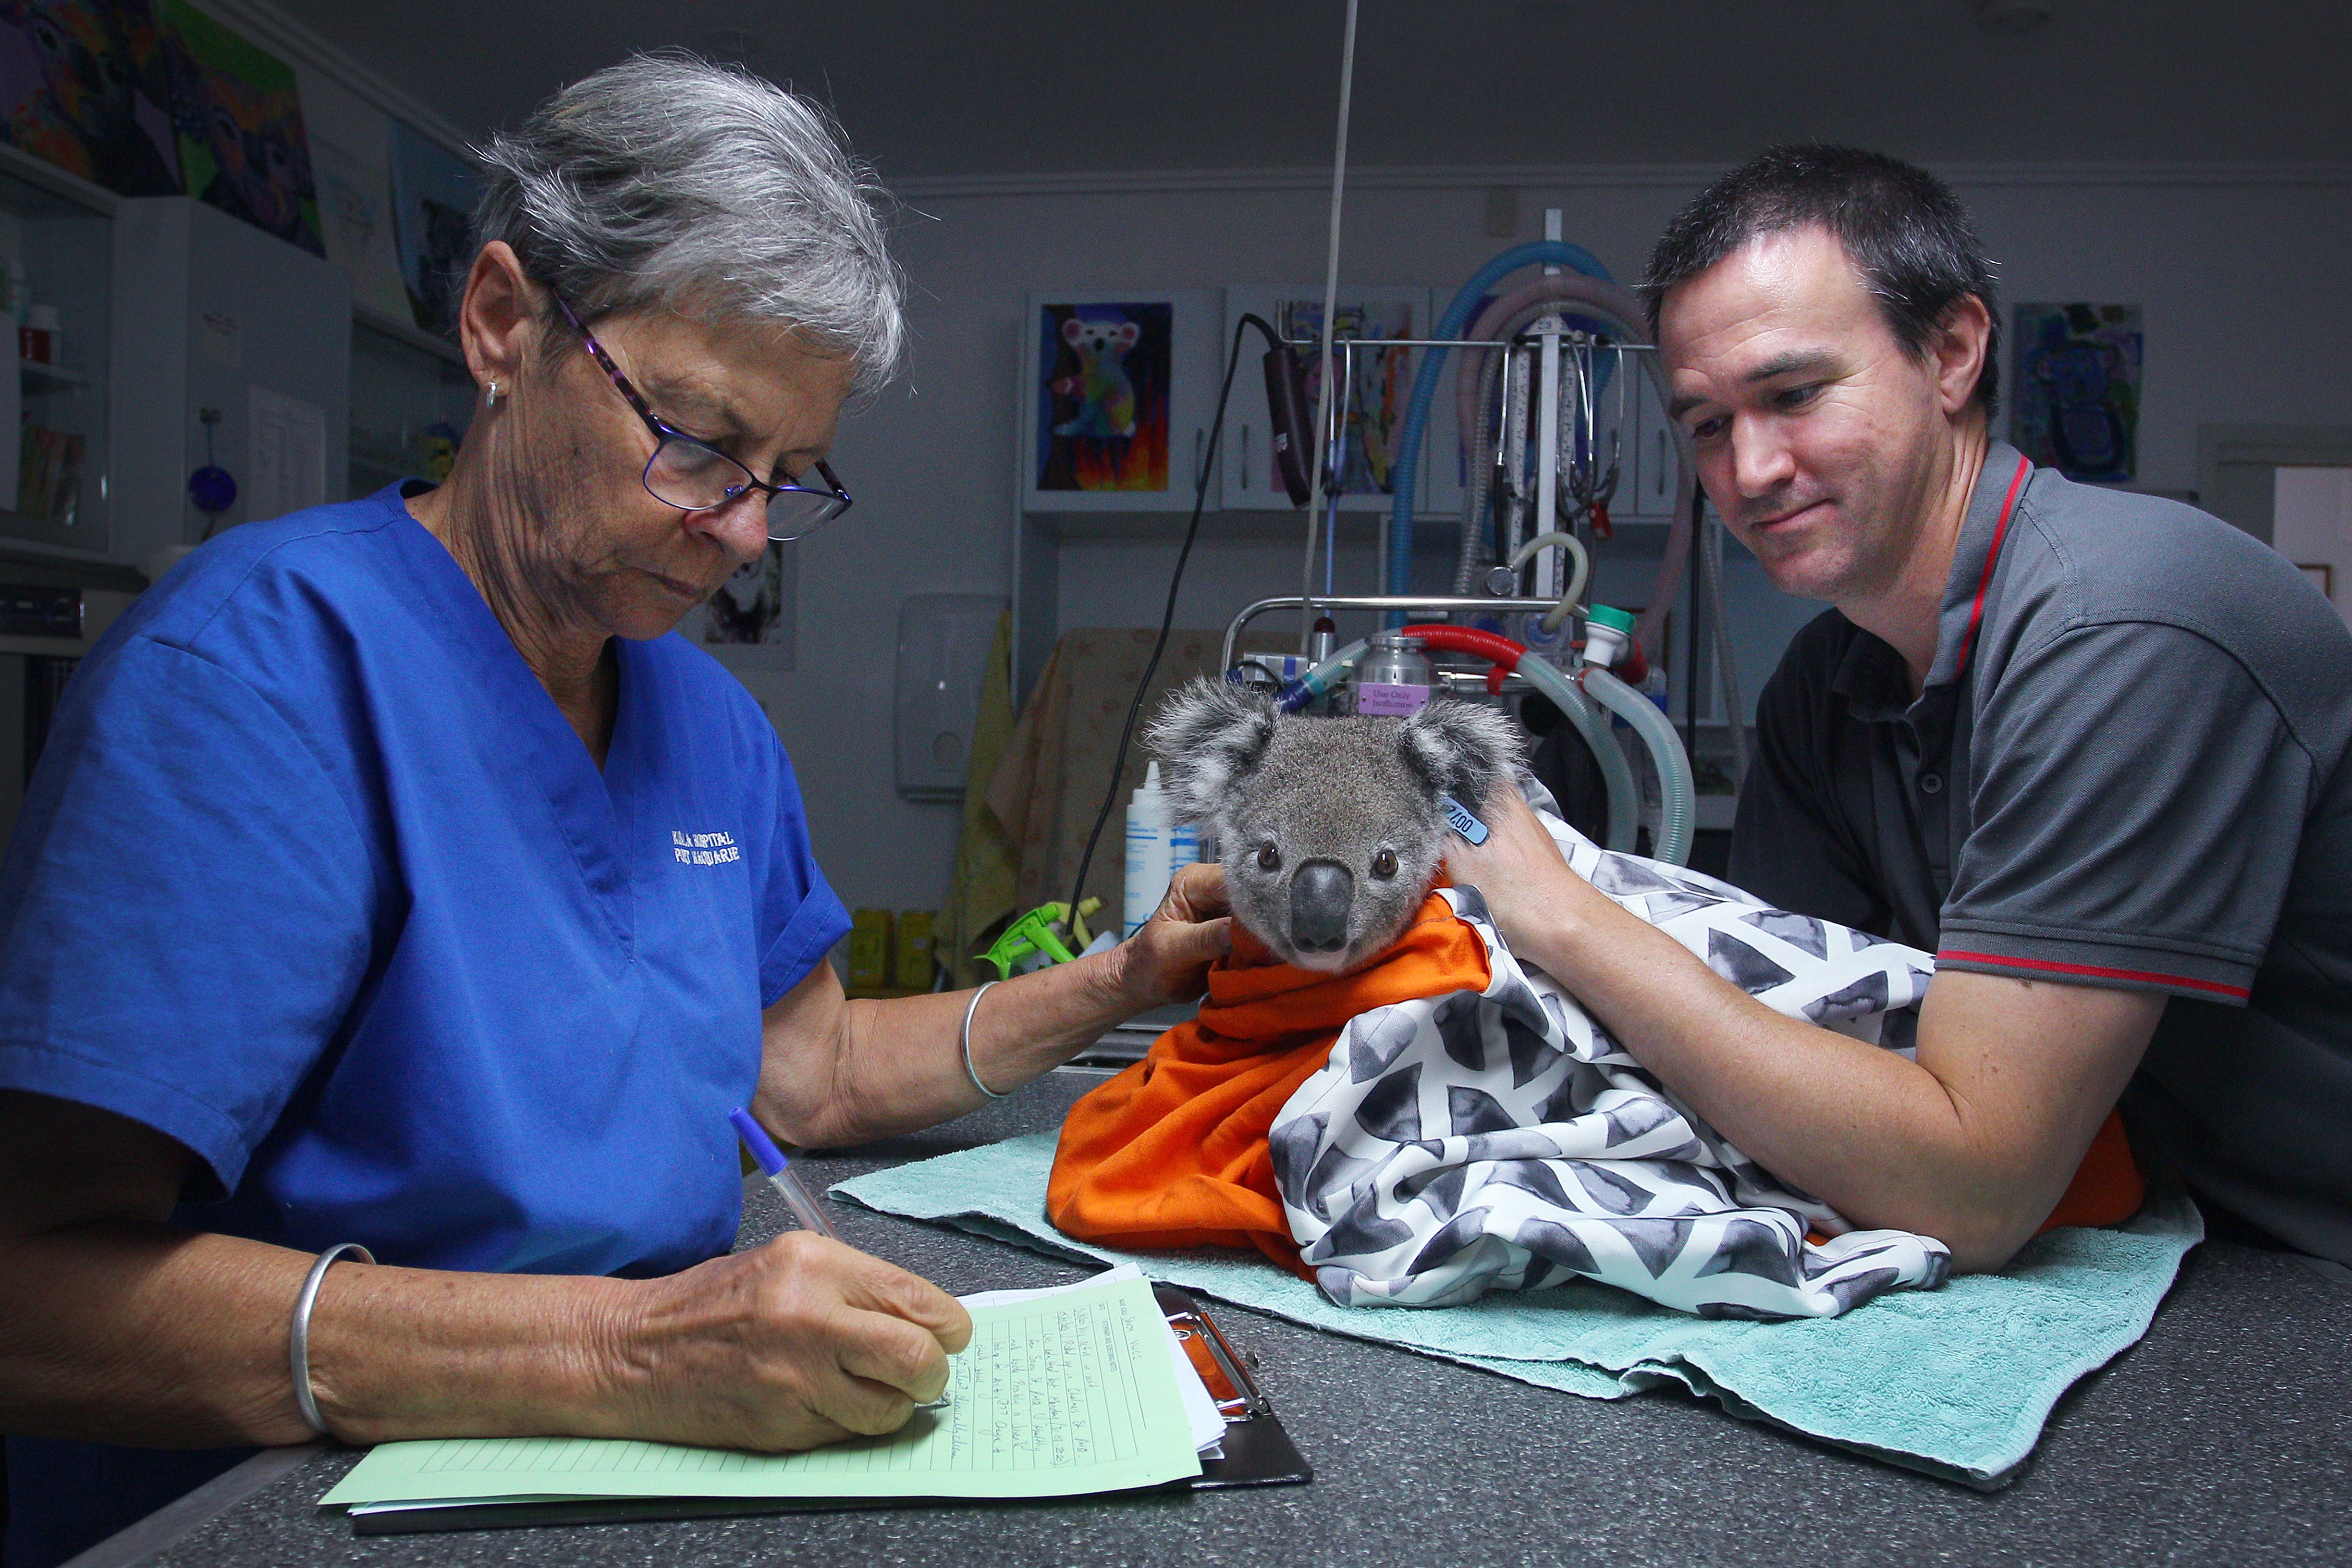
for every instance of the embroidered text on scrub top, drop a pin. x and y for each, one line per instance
(703, 849)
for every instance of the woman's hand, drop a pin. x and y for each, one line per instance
(1168, 959)
(1518, 870)
(799, 1342)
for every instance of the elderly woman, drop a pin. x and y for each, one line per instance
(349, 906)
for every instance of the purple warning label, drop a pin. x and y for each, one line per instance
(1391, 700)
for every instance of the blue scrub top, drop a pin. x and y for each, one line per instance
(316, 879)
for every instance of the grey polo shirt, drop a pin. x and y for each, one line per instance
(2126, 768)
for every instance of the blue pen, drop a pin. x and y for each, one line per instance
(779, 1172)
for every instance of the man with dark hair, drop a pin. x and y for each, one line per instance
(1901, 228)
(2086, 746)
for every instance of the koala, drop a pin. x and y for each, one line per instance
(1331, 831)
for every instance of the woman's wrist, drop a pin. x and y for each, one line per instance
(440, 1354)
(1096, 995)
(1119, 987)
(608, 1373)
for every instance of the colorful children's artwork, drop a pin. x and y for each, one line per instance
(84, 84)
(433, 192)
(2075, 402)
(1383, 381)
(240, 124)
(350, 156)
(1104, 372)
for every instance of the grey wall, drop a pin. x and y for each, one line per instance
(2246, 316)
(942, 86)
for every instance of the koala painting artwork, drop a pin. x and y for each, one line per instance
(1105, 393)
(1103, 380)
(1331, 831)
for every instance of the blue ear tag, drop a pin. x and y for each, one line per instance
(1458, 816)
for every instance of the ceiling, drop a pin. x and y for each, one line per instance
(942, 88)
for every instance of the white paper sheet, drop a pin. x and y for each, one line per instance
(1208, 1424)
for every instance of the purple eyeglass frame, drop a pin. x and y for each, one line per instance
(664, 432)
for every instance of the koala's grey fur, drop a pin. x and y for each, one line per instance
(1327, 797)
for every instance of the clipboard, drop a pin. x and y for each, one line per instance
(1258, 1453)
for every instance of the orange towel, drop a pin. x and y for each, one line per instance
(2106, 1188)
(1173, 1152)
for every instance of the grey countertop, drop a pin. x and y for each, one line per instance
(2222, 1438)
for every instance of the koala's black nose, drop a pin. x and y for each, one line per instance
(1321, 893)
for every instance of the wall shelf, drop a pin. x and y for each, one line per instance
(409, 388)
(408, 332)
(1438, 535)
(38, 567)
(49, 377)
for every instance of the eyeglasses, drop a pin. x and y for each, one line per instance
(694, 476)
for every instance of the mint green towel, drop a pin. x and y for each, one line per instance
(1955, 1382)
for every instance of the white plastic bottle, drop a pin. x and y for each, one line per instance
(1183, 848)
(1149, 858)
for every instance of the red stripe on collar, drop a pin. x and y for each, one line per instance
(1993, 559)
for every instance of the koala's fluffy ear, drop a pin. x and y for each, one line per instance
(1463, 749)
(1209, 734)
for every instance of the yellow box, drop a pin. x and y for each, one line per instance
(911, 968)
(869, 949)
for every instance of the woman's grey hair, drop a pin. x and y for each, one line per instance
(668, 184)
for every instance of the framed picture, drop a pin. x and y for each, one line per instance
(239, 118)
(350, 158)
(85, 85)
(1375, 403)
(752, 621)
(2074, 397)
(433, 192)
(1117, 391)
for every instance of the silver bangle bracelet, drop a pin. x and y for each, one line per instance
(298, 1339)
(969, 1070)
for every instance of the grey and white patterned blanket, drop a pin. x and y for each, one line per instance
(1503, 1141)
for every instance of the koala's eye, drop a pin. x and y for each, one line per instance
(1269, 858)
(1384, 864)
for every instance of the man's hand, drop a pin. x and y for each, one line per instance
(799, 1342)
(1168, 959)
(1518, 870)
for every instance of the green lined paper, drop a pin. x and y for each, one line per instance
(1054, 1397)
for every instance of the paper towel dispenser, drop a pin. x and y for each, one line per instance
(943, 644)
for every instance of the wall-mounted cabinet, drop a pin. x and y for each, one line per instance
(55, 310)
(214, 315)
(154, 336)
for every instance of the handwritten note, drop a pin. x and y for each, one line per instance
(1070, 1393)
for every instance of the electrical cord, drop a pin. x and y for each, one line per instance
(1691, 643)
(1175, 581)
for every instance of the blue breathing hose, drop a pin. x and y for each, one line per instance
(1541, 252)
